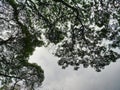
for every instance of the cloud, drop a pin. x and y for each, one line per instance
(68, 79)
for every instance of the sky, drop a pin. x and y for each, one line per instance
(57, 78)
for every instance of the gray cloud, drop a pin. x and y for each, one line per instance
(68, 79)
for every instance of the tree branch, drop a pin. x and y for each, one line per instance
(5, 75)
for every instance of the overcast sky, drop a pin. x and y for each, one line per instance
(68, 79)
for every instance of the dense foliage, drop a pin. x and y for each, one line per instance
(84, 32)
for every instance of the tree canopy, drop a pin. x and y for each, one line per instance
(85, 32)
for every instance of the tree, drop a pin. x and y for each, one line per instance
(84, 32)
(16, 45)
(93, 35)
(14, 66)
